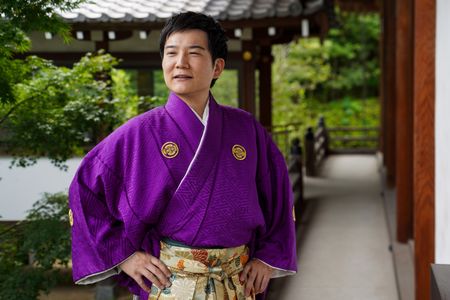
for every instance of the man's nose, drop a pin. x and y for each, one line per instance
(182, 61)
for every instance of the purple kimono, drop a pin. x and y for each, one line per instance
(162, 175)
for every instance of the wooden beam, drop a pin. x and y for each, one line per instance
(120, 35)
(290, 22)
(358, 5)
(382, 89)
(424, 143)
(404, 120)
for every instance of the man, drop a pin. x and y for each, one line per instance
(179, 198)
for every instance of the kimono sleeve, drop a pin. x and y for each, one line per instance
(276, 242)
(97, 203)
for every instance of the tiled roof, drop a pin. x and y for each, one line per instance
(160, 10)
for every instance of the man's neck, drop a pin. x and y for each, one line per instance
(197, 105)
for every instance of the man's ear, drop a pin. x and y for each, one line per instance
(219, 65)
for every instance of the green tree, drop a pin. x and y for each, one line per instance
(19, 17)
(58, 111)
(33, 251)
(354, 57)
(336, 77)
(47, 111)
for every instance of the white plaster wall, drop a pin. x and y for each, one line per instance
(21, 187)
(443, 132)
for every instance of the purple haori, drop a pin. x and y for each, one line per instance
(139, 185)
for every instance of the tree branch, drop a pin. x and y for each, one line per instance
(12, 109)
(18, 224)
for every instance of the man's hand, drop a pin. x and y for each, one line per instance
(143, 265)
(255, 276)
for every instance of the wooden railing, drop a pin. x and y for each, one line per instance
(337, 140)
(295, 168)
(284, 135)
(316, 147)
(354, 139)
(287, 138)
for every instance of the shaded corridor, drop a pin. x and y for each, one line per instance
(343, 241)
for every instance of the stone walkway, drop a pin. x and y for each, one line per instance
(343, 241)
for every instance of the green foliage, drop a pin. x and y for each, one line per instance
(40, 15)
(61, 111)
(337, 79)
(122, 89)
(11, 73)
(19, 17)
(149, 102)
(354, 56)
(225, 90)
(130, 103)
(33, 251)
(352, 112)
(347, 112)
(159, 84)
(345, 64)
(300, 68)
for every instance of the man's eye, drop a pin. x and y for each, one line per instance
(194, 53)
(170, 53)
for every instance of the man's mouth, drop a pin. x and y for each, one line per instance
(182, 77)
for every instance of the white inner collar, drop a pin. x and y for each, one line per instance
(204, 120)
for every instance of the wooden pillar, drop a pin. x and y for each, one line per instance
(404, 120)
(389, 90)
(103, 44)
(265, 86)
(145, 82)
(382, 89)
(247, 77)
(424, 145)
(145, 87)
(310, 152)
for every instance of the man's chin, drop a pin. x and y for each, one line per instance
(181, 92)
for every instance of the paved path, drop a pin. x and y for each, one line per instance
(343, 251)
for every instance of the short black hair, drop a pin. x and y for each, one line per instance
(217, 40)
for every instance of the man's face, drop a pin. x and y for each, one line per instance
(187, 64)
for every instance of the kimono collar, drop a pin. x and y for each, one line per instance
(186, 119)
(204, 120)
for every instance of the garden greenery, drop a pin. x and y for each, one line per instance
(58, 112)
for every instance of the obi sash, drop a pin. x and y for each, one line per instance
(199, 273)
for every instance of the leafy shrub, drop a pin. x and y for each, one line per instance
(33, 251)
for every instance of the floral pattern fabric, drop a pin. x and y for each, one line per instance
(204, 274)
